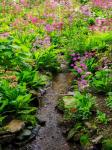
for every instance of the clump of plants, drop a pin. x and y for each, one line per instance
(78, 107)
(15, 101)
(101, 117)
(102, 81)
(32, 78)
(109, 100)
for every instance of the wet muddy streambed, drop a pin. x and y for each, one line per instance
(50, 136)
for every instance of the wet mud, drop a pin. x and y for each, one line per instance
(50, 136)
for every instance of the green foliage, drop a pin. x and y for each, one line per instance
(75, 35)
(107, 144)
(84, 105)
(84, 139)
(91, 20)
(15, 100)
(75, 129)
(80, 107)
(6, 53)
(101, 117)
(83, 1)
(102, 81)
(98, 41)
(47, 60)
(91, 64)
(109, 100)
(32, 78)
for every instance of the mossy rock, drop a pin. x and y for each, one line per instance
(69, 102)
(107, 144)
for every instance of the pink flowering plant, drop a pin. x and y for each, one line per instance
(83, 66)
(106, 4)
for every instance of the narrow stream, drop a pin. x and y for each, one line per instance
(50, 136)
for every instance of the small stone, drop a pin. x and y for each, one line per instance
(26, 133)
(36, 130)
(30, 127)
(15, 126)
(70, 93)
(97, 139)
(88, 125)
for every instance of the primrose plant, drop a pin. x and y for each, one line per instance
(79, 107)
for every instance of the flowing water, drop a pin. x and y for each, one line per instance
(50, 136)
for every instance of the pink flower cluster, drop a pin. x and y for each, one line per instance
(78, 64)
(77, 58)
(102, 25)
(102, 3)
(33, 19)
(54, 26)
(82, 84)
(5, 34)
(45, 42)
(24, 2)
(85, 10)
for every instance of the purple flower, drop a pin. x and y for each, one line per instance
(85, 10)
(73, 55)
(84, 82)
(72, 65)
(49, 28)
(75, 67)
(83, 76)
(79, 70)
(88, 73)
(34, 20)
(83, 66)
(58, 25)
(46, 41)
(78, 57)
(74, 59)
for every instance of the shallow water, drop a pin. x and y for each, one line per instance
(50, 136)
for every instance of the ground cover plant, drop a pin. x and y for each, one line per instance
(33, 36)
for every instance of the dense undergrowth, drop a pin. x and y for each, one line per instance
(32, 35)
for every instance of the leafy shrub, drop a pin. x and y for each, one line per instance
(6, 53)
(79, 107)
(47, 60)
(32, 78)
(75, 35)
(15, 100)
(91, 64)
(107, 144)
(101, 117)
(98, 41)
(102, 81)
(84, 1)
(109, 100)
